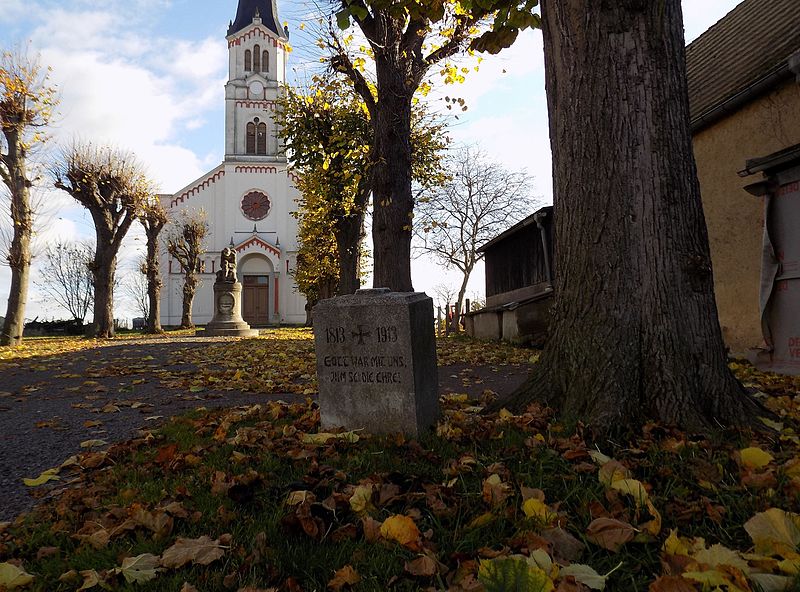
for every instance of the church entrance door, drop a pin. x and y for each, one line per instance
(255, 299)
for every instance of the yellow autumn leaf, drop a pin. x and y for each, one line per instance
(652, 526)
(633, 488)
(755, 458)
(140, 569)
(675, 545)
(535, 508)
(712, 579)
(48, 475)
(790, 566)
(481, 520)
(774, 531)
(12, 577)
(361, 500)
(402, 530)
(324, 437)
(718, 555)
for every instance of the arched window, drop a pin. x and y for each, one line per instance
(248, 64)
(251, 138)
(257, 58)
(265, 61)
(261, 138)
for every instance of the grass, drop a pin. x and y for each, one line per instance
(231, 475)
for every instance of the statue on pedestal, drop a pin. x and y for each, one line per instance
(227, 319)
(227, 271)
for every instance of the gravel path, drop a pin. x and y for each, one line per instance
(49, 405)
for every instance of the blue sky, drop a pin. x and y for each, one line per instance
(148, 75)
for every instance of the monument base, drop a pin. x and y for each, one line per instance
(227, 321)
(376, 362)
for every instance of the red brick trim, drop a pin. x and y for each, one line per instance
(253, 168)
(189, 193)
(258, 243)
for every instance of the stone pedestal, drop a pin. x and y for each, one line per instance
(227, 321)
(376, 361)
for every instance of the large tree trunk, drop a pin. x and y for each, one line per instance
(19, 254)
(393, 204)
(634, 333)
(103, 269)
(153, 282)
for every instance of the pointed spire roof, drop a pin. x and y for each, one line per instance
(248, 9)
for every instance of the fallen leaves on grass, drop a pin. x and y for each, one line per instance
(492, 502)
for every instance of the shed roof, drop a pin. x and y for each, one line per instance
(546, 211)
(751, 44)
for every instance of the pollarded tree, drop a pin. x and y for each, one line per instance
(479, 199)
(153, 218)
(186, 244)
(26, 104)
(112, 185)
(65, 276)
(407, 38)
(635, 334)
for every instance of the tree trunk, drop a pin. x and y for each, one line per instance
(19, 254)
(153, 282)
(189, 288)
(460, 300)
(634, 333)
(349, 233)
(103, 269)
(393, 204)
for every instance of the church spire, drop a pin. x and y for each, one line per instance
(250, 9)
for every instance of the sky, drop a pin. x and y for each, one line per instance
(148, 76)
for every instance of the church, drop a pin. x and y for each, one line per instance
(249, 197)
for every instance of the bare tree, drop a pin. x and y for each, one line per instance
(111, 184)
(26, 103)
(186, 244)
(479, 200)
(153, 218)
(65, 276)
(135, 289)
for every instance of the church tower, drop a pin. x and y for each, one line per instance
(257, 68)
(250, 196)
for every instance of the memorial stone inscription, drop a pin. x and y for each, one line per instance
(376, 361)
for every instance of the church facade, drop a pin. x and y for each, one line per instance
(249, 197)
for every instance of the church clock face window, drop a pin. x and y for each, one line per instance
(255, 205)
(256, 141)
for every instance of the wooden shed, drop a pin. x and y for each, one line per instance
(519, 282)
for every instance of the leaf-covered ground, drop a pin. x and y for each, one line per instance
(255, 498)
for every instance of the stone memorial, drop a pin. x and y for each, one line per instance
(376, 361)
(227, 320)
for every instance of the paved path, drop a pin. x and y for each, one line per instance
(49, 405)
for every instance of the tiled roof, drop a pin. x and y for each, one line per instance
(750, 43)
